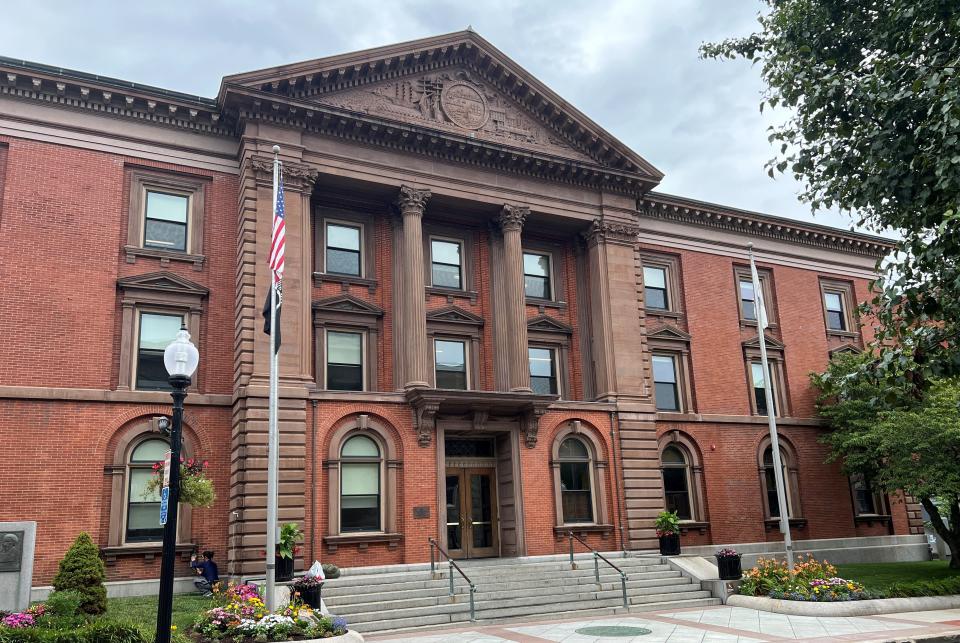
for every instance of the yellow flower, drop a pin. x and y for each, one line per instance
(173, 628)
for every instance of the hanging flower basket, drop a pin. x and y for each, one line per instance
(196, 489)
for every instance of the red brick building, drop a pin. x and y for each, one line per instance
(494, 329)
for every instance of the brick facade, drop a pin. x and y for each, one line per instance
(68, 411)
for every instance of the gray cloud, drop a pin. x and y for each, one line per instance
(631, 65)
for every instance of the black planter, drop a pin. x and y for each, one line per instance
(311, 596)
(729, 567)
(284, 569)
(670, 545)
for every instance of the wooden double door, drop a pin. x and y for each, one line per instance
(472, 520)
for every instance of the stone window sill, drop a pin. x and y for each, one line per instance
(752, 323)
(149, 551)
(165, 256)
(362, 541)
(844, 334)
(686, 526)
(563, 530)
(345, 280)
(453, 293)
(658, 312)
(546, 303)
(869, 519)
(774, 523)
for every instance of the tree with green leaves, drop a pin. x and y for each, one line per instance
(82, 571)
(898, 443)
(871, 93)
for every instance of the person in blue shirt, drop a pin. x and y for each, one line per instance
(207, 571)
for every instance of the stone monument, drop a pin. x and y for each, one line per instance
(17, 541)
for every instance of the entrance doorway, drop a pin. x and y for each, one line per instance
(472, 525)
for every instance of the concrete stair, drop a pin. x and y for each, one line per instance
(403, 597)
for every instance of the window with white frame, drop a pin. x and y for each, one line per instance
(344, 361)
(143, 507)
(166, 221)
(543, 370)
(537, 281)
(666, 389)
(155, 332)
(450, 360)
(446, 264)
(575, 475)
(343, 249)
(360, 485)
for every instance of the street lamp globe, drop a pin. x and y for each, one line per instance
(181, 357)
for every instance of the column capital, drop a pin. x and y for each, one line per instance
(411, 200)
(621, 232)
(512, 217)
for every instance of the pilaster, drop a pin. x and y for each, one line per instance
(514, 335)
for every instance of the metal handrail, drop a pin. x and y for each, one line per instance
(453, 566)
(597, 557)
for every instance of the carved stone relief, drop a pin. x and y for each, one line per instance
(454, 100)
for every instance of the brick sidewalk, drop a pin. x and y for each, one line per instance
(703, 625)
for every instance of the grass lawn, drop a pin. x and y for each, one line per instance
(142, 610)
(877, 576)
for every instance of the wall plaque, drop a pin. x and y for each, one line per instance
(421, 512)
(11, 550)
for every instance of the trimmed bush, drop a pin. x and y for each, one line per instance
(81, 570)
(330, 570)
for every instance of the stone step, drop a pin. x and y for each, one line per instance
(398, 581)
(510, 583)
(391, 604)
(375, 613)
(560, 573)
(363, 595)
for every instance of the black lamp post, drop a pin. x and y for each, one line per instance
(180, 359)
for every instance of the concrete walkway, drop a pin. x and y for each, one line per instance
(719, 624)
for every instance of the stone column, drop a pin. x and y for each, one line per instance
(511, 222)
(412, 203)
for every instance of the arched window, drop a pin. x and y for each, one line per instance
(575, 488)
(769, 484)
(360, 469)
(676, 482)
(143, 509)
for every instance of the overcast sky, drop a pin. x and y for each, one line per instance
(630, 65)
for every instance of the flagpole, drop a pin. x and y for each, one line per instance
(272, 438)
(771, 412)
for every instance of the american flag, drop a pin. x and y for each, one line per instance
(279, 238)
(278, 243)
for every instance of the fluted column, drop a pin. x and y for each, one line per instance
(511, 222)
(412, 203)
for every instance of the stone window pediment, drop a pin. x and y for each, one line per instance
(669, 334)
(454, 315)
(347, 304)
(547, 324)
(772, 343)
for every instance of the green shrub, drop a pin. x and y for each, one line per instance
(98, 631)
(82, 570)
(64, 603)
(910, 589)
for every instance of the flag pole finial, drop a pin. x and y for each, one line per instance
(276, 149)
(749, 243)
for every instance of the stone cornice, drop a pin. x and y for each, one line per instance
(111, 97)
(688, 211)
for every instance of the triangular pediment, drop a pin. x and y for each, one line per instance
(455, 315)
(162, 281)
(347, 304)
(669, 333)
(846, 348)
(545, 323)
(457, 84)
(770, 341)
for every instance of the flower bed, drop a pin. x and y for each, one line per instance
(809, 580)
(241, 617)
(61, 621)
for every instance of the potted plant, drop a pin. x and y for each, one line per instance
(287, 550)
(309, 587)
(728, 564)
(668, 532)
(196, 489)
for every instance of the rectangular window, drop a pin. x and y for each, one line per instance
(344, 361)
(543, 371)
(143, 509)
(759, 387)
(165, 221)
(748, 300)
(343, 250)
(536, 276)
(359, 496)
(655, 288)
(155, 334)
(665, 383)
(575, 490)
(446, 268)
(451, 364)
(836, 316)
(866, 500)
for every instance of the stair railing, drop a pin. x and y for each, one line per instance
(597, 557)
(452, 566)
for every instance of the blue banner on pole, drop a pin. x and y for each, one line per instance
(164, 504)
